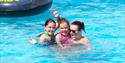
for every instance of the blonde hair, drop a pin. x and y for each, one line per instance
(62, 20)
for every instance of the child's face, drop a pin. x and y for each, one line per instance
(64, 28)
(50, 28)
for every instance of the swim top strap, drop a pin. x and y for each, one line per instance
(45, 33)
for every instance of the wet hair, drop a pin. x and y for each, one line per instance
(62, 20)
(49, 21)
(80, 25)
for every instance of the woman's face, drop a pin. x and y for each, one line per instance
(50, 28)
(74, 31)
(64, 28)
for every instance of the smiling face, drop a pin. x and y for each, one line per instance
(64, 28)
(74, 32)
(50, 28)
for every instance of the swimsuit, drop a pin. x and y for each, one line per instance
(65, 39)
(49, 40)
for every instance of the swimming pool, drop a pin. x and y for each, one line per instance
(104, 21)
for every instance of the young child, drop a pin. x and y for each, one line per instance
(48, 36)
(63, 37)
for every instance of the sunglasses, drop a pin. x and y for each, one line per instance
(74, 31)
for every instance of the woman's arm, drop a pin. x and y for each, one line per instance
(86, 42)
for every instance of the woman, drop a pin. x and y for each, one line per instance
(76, 29)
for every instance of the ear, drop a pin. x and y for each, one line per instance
(81, 30)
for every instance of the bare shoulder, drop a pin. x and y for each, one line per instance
(86, 42)
(84, 39)
(58, 36)
(42, 36)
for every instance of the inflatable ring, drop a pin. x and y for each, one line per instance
(24, 7)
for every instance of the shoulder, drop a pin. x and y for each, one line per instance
(58, 35)
(43, 36)
(86, 42)
(84, 39)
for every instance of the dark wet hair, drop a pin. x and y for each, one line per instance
(48, 21)
(80, 25)
(62, 20)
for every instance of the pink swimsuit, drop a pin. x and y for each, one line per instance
(65, 39)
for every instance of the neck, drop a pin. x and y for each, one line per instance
(49, 35)
(78, 37)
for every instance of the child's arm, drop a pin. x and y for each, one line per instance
(32, 41)
(58, 40)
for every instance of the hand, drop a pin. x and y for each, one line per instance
(55, 13)
(65, 47)
(32, 41)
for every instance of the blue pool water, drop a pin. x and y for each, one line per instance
(105, 28)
